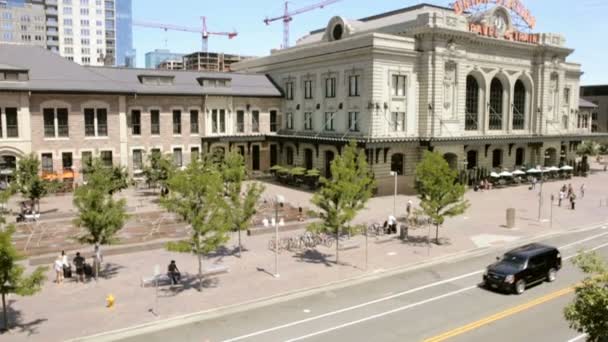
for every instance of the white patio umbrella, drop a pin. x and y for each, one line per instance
(505, 174)
(518, 173)
(553, 169)
(566, 168)
(494, 175)
(533, 170)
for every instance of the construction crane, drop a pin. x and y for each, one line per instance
(204, 32)
(287, 17)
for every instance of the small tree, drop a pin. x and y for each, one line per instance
(12, 275)
(196, 194)
(588, 313)
(29, 182)
(585, 150)
(98, 212)
(158, 170)
(341, 197)
(242, 205)
(440, 194)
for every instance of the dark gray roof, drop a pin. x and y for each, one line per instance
(582, 103)
(51, 72)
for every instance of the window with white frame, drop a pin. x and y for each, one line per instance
(46, 162)
(308, 121)
(330, 87)
(106, 158)
(566, 96)
(398, 85)
(214, 121)
(353, 85)
(329, 121)
(222, 127)
(177, 157)
(95, 122)
(193, 121)
(289, 90)
(353, 121)
(138, 159)
(398, 121)
(289, 120)
(136, 122)
(194, 153)
(255, 121)
(154, 122)
(177, 122)
(308, 89)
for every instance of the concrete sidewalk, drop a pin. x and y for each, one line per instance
(71, 309)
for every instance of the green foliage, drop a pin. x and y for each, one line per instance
(158, 170)
(297, 171)
(183, 246)
(98, 212)
(340, 198)
(588, 148)
(12, 275)
(440, 195)
(196, 194)
(588, 313)
(29, 182)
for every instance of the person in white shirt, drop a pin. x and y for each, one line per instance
(58, 266)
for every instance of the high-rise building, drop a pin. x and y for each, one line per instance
(23, 22)
(154, 58)
(84, 31)
(125, 54)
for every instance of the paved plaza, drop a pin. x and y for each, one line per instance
(73, 309)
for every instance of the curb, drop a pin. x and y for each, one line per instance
(176, 321)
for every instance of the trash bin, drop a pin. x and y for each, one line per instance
(510, 217)
(403, 231)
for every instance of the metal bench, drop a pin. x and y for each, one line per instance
(215, 270)
(161, 279)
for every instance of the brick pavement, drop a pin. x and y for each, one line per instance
(71, 310)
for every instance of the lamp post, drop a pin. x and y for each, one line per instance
(279, 200)
(540, 195)
(395, 174)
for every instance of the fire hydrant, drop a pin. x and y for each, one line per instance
(110, 301)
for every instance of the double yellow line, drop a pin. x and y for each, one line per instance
(498, 316)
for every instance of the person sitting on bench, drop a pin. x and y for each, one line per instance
(173, 272)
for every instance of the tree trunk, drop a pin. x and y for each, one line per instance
(4, 313)
(200, 272)
(240, 242)
(436, 234)
(337, 246)
(97, 259)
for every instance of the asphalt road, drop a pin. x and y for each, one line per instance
(442, 302)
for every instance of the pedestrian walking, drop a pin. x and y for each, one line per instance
(582, 190)
(560, 198)
(408, 208)
(58, 266)
(573, 201)
(79, 264)
(533, 183)
(570, 190)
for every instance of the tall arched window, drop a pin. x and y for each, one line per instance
(520, 156)
(471, 159)
(496, 93)
(519, 105)
(397, 163)
(289, 155)
(472, 104)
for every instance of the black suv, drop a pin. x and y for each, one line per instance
(523, 266)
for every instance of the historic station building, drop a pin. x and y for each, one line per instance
(471, 82)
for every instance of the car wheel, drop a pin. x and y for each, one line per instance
(551, 275)
(520, 287)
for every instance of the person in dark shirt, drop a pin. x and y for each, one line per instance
(173, 272)
(79, 264)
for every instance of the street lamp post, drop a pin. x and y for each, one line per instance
(279, 200)
(394, 173)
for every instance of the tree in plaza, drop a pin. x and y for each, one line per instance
(440, 194)
(158, 170)
(196, 194)
(585, 150)
(340, 198)
(588, 313)
(12, 275)
(99, 213)
(30, 183)
(242, 205)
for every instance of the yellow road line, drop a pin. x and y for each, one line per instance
(498, 316)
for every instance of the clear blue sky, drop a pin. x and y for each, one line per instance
(583, 22)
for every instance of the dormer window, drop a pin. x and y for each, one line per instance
(156, 80)
(13, 75)
(215, 82)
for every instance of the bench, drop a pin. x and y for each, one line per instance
(384, 238)
(215, 270)
(161, 279)
(343, 246)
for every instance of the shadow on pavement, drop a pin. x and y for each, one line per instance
(187, 282)
(16, 324)
(314, 257)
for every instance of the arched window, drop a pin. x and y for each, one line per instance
(289, 155)
(471, 159)
(519, 105)
(496, 96)
(397, 163)
(472, 104)
(520, 155)
(497, 158)
(452, 160)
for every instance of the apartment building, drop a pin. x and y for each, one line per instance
(171, 65)
(211, 61)
(467, 84)
(67, 113)
(89, 32)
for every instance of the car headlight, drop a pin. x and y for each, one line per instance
(509, 279)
